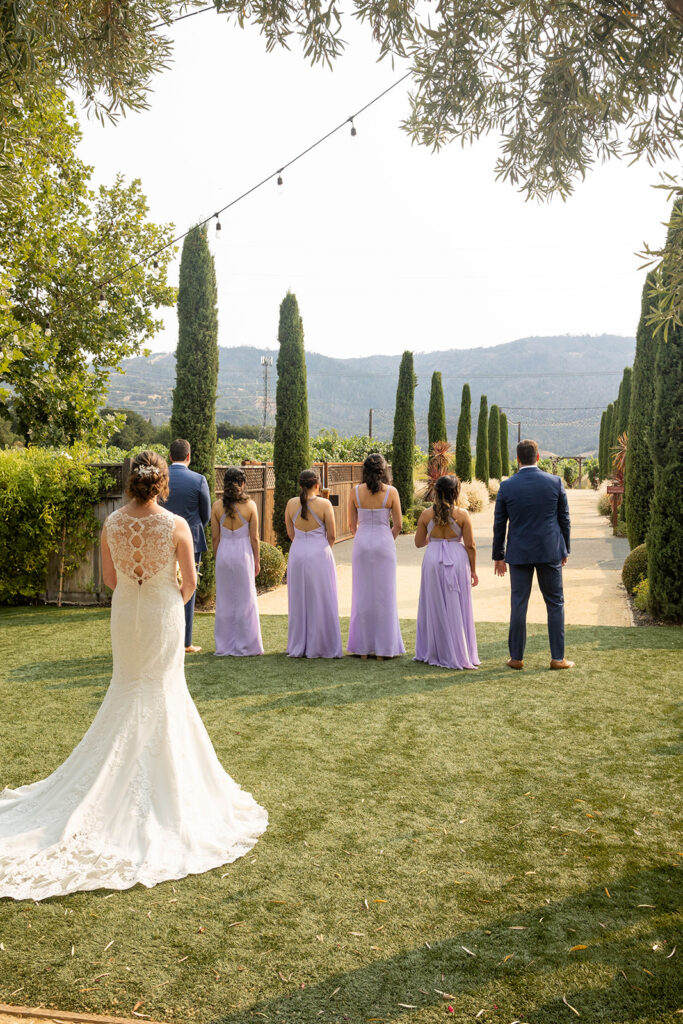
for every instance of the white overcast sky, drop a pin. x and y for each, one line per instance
(387, 245)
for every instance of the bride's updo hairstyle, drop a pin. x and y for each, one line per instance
(234, 488)
(309, 478)
(148, 477)
(375, 472)
(447, 490)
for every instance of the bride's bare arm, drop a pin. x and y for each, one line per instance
(185, 556)
(108, 570)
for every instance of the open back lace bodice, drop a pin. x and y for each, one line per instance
(141, 546)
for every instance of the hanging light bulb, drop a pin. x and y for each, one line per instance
(102, 301)
(353, 128)
(218, 226)
(279, 178)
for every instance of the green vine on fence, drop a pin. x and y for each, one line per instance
(46, 507)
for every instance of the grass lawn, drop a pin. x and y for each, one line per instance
(506, 838)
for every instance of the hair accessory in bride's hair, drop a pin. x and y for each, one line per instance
(145, 471)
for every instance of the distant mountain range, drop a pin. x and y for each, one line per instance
(556, 386)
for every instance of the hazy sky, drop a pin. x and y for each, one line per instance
(387, 245)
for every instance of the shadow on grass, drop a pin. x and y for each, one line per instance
(32, 616)
(541, 940)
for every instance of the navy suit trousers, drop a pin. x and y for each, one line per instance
(550, 582)
(189, 607)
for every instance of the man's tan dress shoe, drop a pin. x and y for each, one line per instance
(192, 649)
(554, 664)
(513, 663)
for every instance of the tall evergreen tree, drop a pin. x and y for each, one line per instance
(291, 446)
(601, 446)
(665, 536)
(495, 469)
(436, 417)
(609, 443)
(504, 446)
(404, 432)
(463, 444)
(481, 468)
(639, 476)
(625, 400)
(193, 415)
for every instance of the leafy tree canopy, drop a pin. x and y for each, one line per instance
(57, 346)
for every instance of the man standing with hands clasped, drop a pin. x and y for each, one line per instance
(533, 506)
(188, 497)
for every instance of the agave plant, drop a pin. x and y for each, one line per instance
(439, 460)
(619, 457)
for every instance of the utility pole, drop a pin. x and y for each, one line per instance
(370, 424)
(266, 363)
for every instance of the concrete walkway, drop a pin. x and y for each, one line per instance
(592, 578)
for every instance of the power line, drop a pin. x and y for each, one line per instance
(182, 17)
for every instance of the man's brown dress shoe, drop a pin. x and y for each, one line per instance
(192, 649)
(561, 664)
(513, 663)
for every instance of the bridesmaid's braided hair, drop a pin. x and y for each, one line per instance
(309, 478)
(375, 472)
(447, 490)
(234, 488)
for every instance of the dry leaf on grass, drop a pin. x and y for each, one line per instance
(671, 953)
(138, 1005)
(468, 951)
(108, 946)
(572, 1008)
(574, 948)
(408, 1006)
(335, 991)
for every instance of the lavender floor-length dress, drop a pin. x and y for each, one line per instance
(374, 626)
(445, 618)
(313, 628)
(237, 628)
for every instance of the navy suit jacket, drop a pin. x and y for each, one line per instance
(189, 497)
(533, 506)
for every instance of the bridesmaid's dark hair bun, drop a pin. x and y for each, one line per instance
(148, 477)
(447, 490)
(309, 478)
(234, 488)
(375, 472)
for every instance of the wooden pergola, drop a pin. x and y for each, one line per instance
(577, 458)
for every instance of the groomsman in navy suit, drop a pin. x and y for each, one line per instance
(533, 506)
(188, 497)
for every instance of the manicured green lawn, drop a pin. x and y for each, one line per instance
(430, 832)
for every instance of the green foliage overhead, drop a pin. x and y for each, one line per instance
(291, 451)
(504, 446)
(46, 497)
(194, 396)
(436, 417)
(495, 469)
(665, 536)
(134, 430)
(57, 244)
(463, 443)
(404, 431)
(481, 470)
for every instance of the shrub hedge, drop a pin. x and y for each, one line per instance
(635, 568)
(273, 565)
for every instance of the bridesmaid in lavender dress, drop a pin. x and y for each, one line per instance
(374, 627)
(234, 532)
(313, 629)
(445, 619)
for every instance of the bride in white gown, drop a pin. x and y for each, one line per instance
(143, 797)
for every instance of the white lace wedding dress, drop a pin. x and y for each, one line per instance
(143, 797)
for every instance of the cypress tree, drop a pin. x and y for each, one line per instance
(291, 448)
(463, 444)
(601, 447)
(404, 432)
(436, 417)
(639, 475)
(504, 446)
(625, 401)
(481, 468)
(193, 415)
(609, 444)
(665, 536)
(494, 443)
